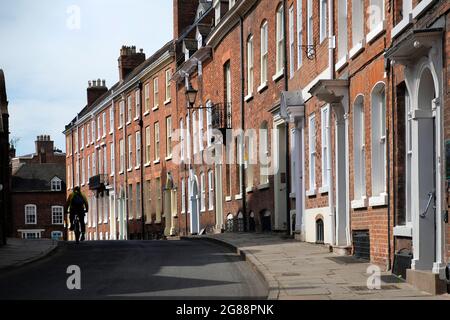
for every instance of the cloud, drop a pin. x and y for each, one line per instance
(48, 64)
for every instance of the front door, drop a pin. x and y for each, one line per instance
(195, 227)
(281, 179)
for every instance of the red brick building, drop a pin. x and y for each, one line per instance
(38, 192)
(306, 117)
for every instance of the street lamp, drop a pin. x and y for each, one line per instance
(191, 95)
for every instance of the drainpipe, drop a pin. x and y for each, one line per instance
(389, 69)
(141, 125)
(244, 191)
(115, 167)
(286, 88)
(331, 45)
(125, 151)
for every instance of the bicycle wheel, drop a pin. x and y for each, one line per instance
(77, 231)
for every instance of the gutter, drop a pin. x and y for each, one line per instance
(244, 192)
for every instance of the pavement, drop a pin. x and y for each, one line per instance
(130, 270)
(300, 271)
(19, 252)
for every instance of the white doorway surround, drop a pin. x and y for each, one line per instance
(195, 208)
(422, 56)
(292, 110)
(336, 94)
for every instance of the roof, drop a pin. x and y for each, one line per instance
(37, 177)
(152, 59)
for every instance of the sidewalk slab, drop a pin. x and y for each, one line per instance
(301, 271)
(19, 252)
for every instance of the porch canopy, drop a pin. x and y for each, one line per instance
(292, 106)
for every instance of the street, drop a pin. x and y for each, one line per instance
(137, 270)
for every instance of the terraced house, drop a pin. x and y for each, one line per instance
(322, 119)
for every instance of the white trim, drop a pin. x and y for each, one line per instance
(341, 63)
(228, 199)
(248, 97)
(402, 25)
(403, 231)
(238, 197)
(377, 30)
(311, 193)
(278, 75)
(359, 204)
(356, 50)
(305, 92)
(324, 190)
(262, 87)
(421, 7)
(167, 101)
(378, 201)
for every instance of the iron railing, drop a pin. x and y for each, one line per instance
(98, 182)
(222, 116)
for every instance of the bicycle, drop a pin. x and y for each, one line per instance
(77, 228)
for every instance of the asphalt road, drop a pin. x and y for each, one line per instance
(137, 270)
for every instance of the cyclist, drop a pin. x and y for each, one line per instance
(77, 205)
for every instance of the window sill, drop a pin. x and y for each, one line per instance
(238, 197)
(402, 25)
(311, 193)
(147, 165)
(155, 108)
(112, 175)
(137, 168)
(356, 50)
(403, 231)
(324, 190)
(359, 204)
(120, 128)
(228, 199)
(292, 195)
(136, 119)
(278, 75)
(341, 63)
(146, 113)
(264, 186)
(169, 158)
(167, 101)
(262, 87)
(421, 7)
(379, 201)
(376, 32)
(249, 190)
(128, 123)
(157, 162)
(111, 132)
(248, 97)
(129, 170)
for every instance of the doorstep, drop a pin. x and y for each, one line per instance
(426, 281)
(342, 250)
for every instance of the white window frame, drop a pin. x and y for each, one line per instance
(310, 23)
(379, 147)
(130, 152)
(147, 98)
(357, 23)
(104, 124)
(147, 145)
(60, 211)
(88, 134)
(291, 42)
(82, 138)
(88, 168)
(299, 33)
(359, 154)
(83, 172)
(137, 104)
(169, 137)
(264, 53)
(210, 190)
(138, 149)
(129, 109)
(200, 130)
(155, 93)
(157, 141)
(99, 127)
(168, 86)
(111, 120)
(312, 153)
(325, 126)
(280, 47)
(209, 128)
(122, 155)
(56, 185)
(323, 18)
(31, 210)
(121, 114)
(202, 192)
(183, 196)
(182, 140)
(250, 66)
(112, 159)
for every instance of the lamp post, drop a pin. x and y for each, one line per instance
(191, 97)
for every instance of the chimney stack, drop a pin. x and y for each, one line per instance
(44, 148)
(184, 14)
(129, 60)
(96, 88)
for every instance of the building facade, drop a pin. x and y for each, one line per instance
(38, 192)
(312, 118)
(5, 174)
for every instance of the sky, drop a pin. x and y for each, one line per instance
(50, 49)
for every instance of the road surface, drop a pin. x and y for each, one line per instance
(136, 270)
